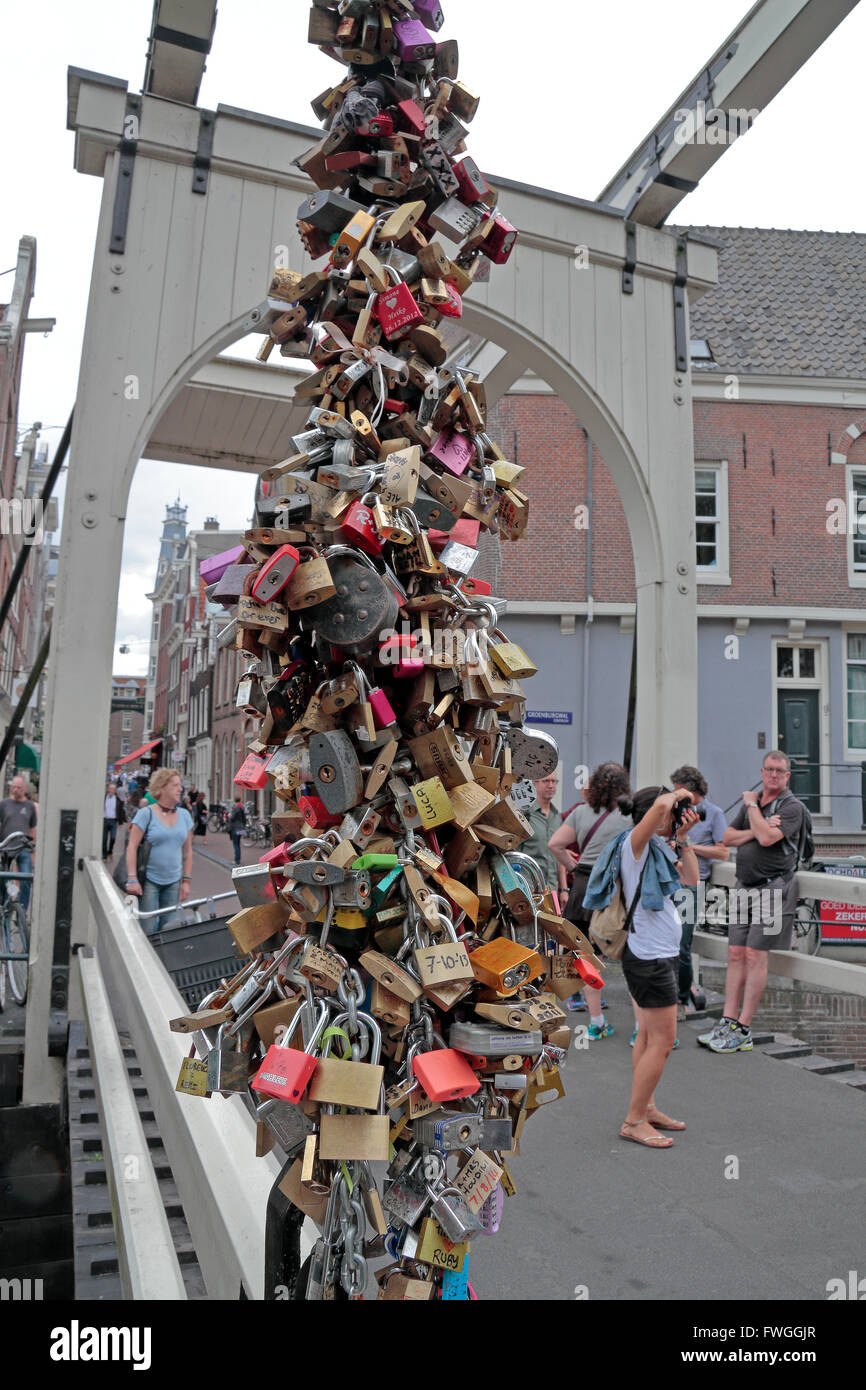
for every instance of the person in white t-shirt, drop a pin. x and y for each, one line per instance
(650, 961)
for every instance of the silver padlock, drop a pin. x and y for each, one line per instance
(336, 771)
(448, 1130)
(289, 1124)
(458, 558)
(354, 891)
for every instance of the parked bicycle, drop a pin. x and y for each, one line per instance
(255, 831)
(14, 930)
(219, 817)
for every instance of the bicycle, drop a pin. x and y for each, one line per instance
(807, 926)
(14, 930)
(219, 817)
(255, 831)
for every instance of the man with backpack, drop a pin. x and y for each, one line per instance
(770, 833)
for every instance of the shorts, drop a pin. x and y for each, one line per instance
(762, 917)
(652, 984)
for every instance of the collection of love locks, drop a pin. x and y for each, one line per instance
(402, 1002)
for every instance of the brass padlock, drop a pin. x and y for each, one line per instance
(311, 582)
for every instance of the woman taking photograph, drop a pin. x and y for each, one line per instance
(168, 828)
(650, 874)
(577, 845)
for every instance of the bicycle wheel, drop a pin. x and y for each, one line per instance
(214, 821)
(18, 941)
(807, 927)
(2, 976)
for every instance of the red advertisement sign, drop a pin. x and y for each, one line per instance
(843, 921)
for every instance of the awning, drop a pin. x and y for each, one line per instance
(130, 757)
(25, 756)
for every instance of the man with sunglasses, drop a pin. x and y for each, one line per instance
(765, 832)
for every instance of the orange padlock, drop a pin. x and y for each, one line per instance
(588, 972)
(505, 966)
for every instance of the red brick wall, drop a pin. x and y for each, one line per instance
(810, 564)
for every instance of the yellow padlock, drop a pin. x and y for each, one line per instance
(433, 802)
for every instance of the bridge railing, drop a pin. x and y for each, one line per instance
(795, 965)
(210, 1145)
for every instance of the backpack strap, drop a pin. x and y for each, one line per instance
(604, 815)
(627, 924)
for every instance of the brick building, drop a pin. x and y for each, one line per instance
(779, 390)
(126, 723)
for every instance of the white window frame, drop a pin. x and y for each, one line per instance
(820, 682)
(849, 755)
(126, 723)
(124, 747)
(721, 572)
(856, 578)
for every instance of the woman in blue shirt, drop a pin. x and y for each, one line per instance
(168, 828)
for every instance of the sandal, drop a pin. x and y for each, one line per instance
(665, 1122)
(658, 1143)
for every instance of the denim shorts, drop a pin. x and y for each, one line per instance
(652, 984)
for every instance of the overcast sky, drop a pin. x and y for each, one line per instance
(569, 89)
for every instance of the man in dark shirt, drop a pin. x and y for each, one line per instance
(766, 833)
(237, 821)
(18, 812)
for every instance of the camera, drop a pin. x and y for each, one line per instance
(679, 810)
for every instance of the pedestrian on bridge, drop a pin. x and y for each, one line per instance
(168, 827)
(651, 875)
(766, 834)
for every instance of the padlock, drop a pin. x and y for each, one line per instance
(396, 310)
(381, 710)
(363, 604)
(359, 527)
(352, 238)
(310, 583)
(534, 754)
(504, 965)
(473, 186)
(445, 1075)
(355, 891)
(480, 1039)
(448, 1131)
(499, 242)
(455, 219)
(315, 812)
(430, 13)
(328, 212)
(453, 1215)
(285, 1071)
(227, 1065)
(288, 1123)
(433, 803)
(252, 774)
(453, 451)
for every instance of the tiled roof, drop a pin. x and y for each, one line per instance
(788, 303)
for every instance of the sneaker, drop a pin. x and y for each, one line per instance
(631, 1041)
(735, 1039)
(676, 1044)
(717, 1031)
(602, 1030)
(576, 1004)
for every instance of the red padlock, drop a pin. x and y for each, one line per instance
(276, 857)
(397, 309)
(285, 1073)
(473, 184)
(316, 814)
(587, 971)
(476, 588)
(251, 773)
(378, 126)
(276, 573)
(453, 308)
(409, 117)
(445, 1075)
(499, 243)
(464, 533)
(360, 529)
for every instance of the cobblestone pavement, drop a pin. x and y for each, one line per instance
(834, 1025)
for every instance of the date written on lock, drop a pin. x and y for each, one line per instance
(477, 1179)
(441, 964)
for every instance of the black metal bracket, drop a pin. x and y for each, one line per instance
(630, 264)
(123, 192)
(681, 340)
(201, 165)
(180, 40)
(58, 1018)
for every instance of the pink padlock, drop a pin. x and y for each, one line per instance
(375, 697)
(453, 450)
(251, 773)
(398, 651)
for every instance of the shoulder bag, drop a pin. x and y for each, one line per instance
(610, 926)
(141, 859)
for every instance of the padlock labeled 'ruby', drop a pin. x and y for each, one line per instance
(360, 528)
(397, 309)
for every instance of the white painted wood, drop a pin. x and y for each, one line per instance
(191, 282)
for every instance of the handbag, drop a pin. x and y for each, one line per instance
(141, 858)
(610, 926)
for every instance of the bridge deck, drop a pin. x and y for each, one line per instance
(626, 1222)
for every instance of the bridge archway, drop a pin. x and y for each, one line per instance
(586, 302)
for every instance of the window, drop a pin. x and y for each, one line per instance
(126, 723)
(855, 689)
(701, 350)
(124, 747)
(797, 664)
(855, 499)
(152, 674)
(711, 523)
